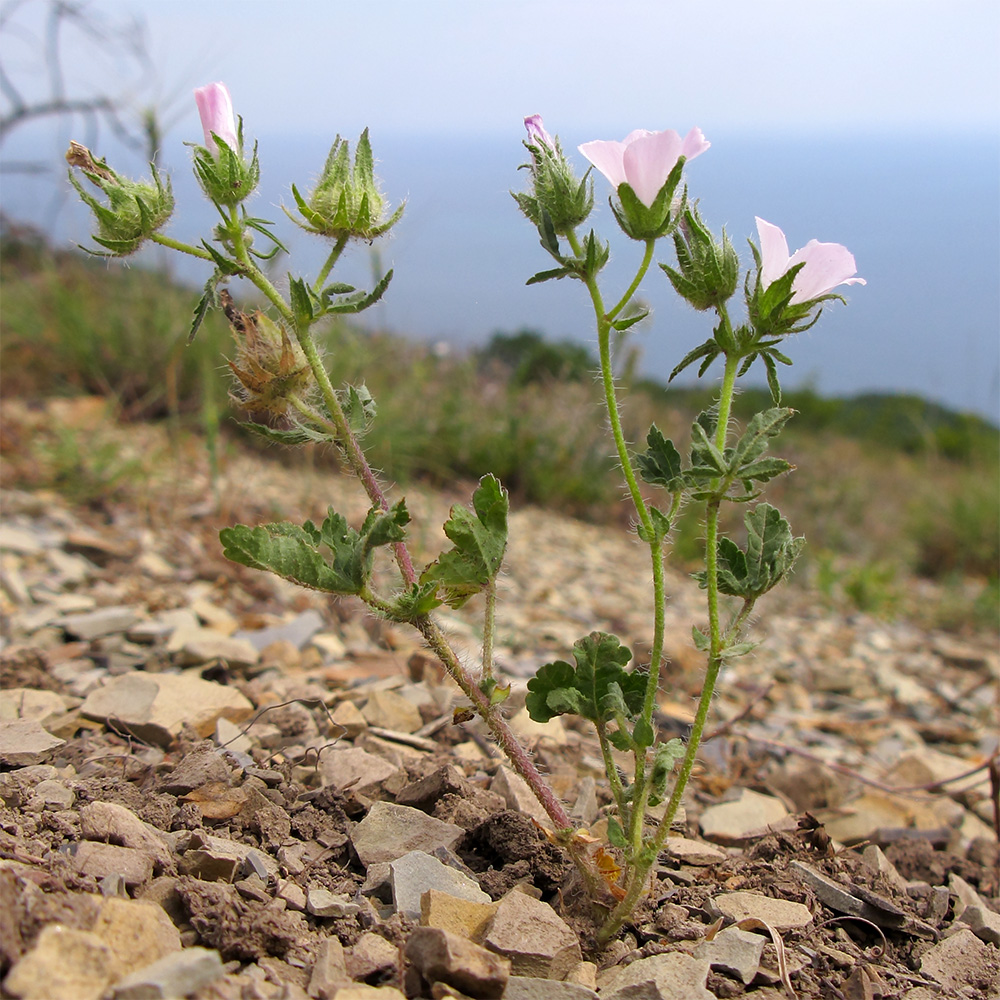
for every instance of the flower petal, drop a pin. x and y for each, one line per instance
(536, 131)
(215, 107)
(607, 155)
(648, 161)
(827, 266)
(774, 261)
(694, 144)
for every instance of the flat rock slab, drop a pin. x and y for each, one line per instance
(95, 624)
(451, 913)
(155, 707)
(101, 860)
(693, 852)
(961, 963)
(674, 976)
(749, 815)
(176, 975)
(24, 742)
(355, 769)
(447, 958)
(526, 988)
(534, 937)
(390, 831)
(781, 914)
(733, 951)
(417, 871)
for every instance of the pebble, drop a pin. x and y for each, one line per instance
(781, 914)
(533, 936)
(733, 951)
(329, 971)
(455, 914)
(417, 871)
(961, 963)
(390, 831)
(751, 814)
(390, 710)
(31, 705)
(674, 976)
(137, 931)
(355, 769)
(64, 964)
(101, 860)
(526, 988)
(179, 974)
(371, 955)
(94, 624)
(114, 823)
(155, 707)
(299, 631)
(24, 742)
(441, 957)
(323, 903)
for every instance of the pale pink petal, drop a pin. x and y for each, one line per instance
(773, 252)
(827, 266)
(637, 133)
(606, 155)
(215, 107)
(648, 160)
(694, 144)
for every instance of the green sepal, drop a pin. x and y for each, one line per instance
(621, 740)
(661, 526)
(629, 321)
(480, 540)
(224, 264)
(738, 649)
(705, 456)
(643, 734)
(586, 689)
(208, 300)
(660, 464)
(301, 299)
(555, 272)
(701, 641)
(616, 835)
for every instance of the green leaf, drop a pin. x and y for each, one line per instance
(480, 540)
(358, 301)
(660, 464)
(293, 436)
(701, 641)
(301, 299)
(616, 835)
(588, 689)
(710, 350)
(643, 734)
(665, 759)
(359, 407)
(556, 272)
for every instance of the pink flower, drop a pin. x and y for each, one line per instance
(216, 109)
(644, 160)
(827, 264)
(536, 132)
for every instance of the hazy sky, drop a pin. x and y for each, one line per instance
(470, 65)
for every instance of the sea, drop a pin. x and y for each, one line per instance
(920, 212)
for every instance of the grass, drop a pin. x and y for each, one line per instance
(887, 488)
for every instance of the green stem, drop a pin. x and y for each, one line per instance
(647, 259)
(324, 271)
(173, 244)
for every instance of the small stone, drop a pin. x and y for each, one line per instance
(323, 903)
(527, 988)
(51, 794)
(781, 914)
(733, 951)
(292, 894)
(65, 964)
(137, 931)
(533, 936)
(961, 963)
(216, 618)
(179, 974)
(329, 972)
(219, 859)
(356, 992)
(348, 717)
(416, 872)
(25, 742)
(163, 626)
(875, 858)
(963, 893)
(693, 852)
(514, 790)
(202, 766)
(983, 922)
(447, 958)
(390, 831)
(104, 621)
(113, 823)
(455, 915)
(371, 955)
(356, 770)
(100, 860)
(749, 815)
(155, 707)
(231, 737)
(30, 705)
(552, 732)
(673, 976)
(207, 645)
(390, 710)
(298, 631)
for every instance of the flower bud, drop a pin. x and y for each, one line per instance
(346, 202)
(556, 191)
(269, 367)
(709, 270)
(134, 211)
(223, 172)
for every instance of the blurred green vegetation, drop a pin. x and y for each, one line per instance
(887, 487)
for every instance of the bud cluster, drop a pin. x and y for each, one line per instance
(346, 202)
(135, 209)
